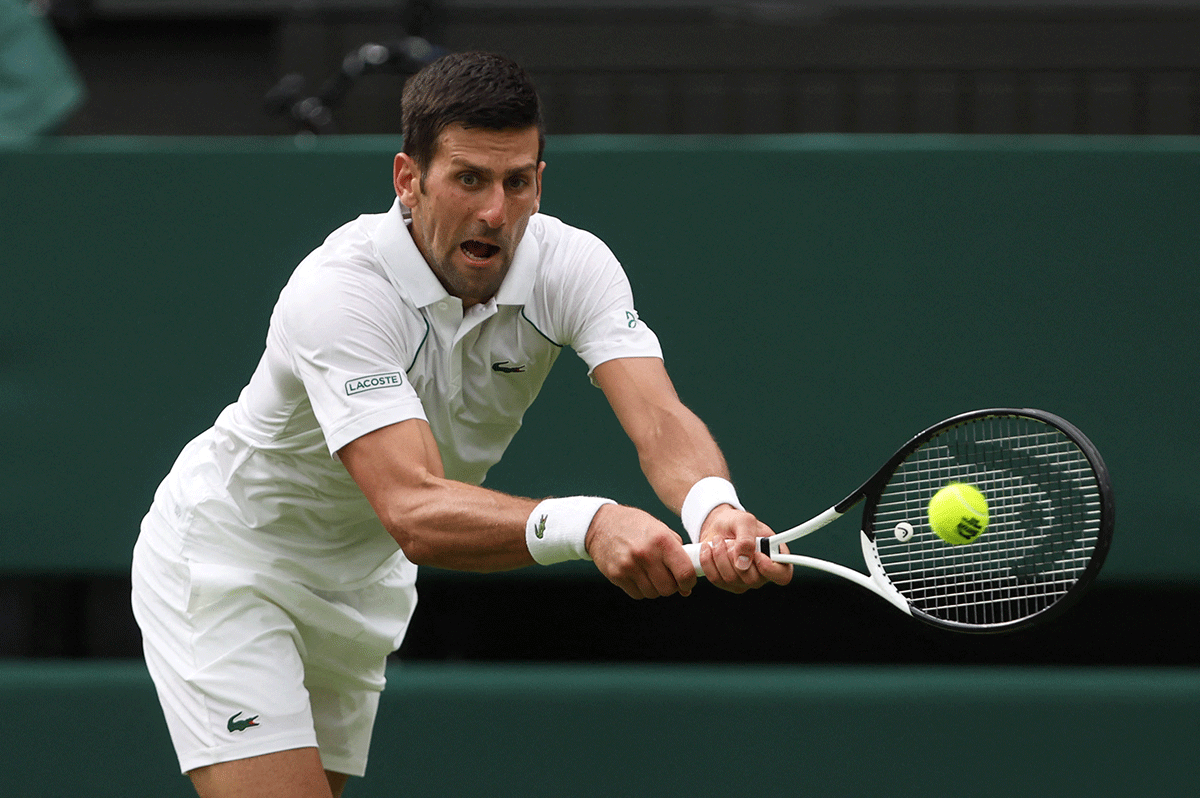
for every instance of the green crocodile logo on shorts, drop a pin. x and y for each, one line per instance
(540, 531)
(236, 725)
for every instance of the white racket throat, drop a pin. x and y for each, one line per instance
(807, 528)
(875, 580)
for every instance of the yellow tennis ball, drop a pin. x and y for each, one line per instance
(958, 513)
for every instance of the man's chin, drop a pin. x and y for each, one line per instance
(480, 284)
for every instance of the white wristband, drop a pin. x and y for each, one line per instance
(557, 528)
(705, 495)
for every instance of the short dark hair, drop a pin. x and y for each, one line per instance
(475, 90)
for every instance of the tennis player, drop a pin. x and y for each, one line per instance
(276, 568)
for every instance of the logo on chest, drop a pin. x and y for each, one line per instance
(507, 367)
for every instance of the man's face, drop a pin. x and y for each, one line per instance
(473, 205)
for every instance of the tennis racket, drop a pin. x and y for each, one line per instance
(1050, 505)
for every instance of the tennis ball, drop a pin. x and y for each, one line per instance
(958, 513)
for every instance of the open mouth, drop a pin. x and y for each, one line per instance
(478, 251)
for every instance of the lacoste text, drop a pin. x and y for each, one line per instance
(360, 384)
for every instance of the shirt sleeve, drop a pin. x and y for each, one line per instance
(597, 314)
(351, 342)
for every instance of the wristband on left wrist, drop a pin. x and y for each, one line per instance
(703, 497)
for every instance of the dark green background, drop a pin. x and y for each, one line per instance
(819, 299)
(499, 731)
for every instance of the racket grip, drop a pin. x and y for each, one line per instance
(693, 551)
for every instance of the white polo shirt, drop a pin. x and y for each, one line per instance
(364, 336)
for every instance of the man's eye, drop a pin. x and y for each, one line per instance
(517, 183)
(469, 180)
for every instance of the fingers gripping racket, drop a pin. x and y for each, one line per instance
(1049, 522)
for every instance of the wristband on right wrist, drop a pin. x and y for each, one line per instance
(557, 529)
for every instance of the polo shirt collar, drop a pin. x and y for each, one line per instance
(518, 283)
(404, 263)
(408, 270)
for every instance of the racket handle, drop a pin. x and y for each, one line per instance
(693, 551)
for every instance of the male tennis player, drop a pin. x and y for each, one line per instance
(275, 570)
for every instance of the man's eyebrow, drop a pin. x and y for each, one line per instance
(463, 163)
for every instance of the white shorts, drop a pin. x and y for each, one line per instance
(246, 664)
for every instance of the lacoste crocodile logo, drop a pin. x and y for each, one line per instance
(540, 531)
(236, 725)
(502, 366)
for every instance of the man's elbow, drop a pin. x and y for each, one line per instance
(406, 520)
(405, 536)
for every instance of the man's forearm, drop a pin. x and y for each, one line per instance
(680, 452)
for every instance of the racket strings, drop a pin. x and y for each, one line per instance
(1044, 507)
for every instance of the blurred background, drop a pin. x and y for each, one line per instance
(204, 67)
(165, 163)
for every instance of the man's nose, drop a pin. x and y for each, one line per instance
(491, 211)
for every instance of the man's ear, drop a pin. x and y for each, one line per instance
(537, 203)
(406, 178)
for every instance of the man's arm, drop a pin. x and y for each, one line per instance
(436, 521)
(449, 524)
(676, 450)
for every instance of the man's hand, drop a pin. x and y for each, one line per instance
(638, 553)
(729, 552)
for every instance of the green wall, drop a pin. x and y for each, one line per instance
(819, 299)
(499, 731)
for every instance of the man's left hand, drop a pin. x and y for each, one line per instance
(729, 552)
